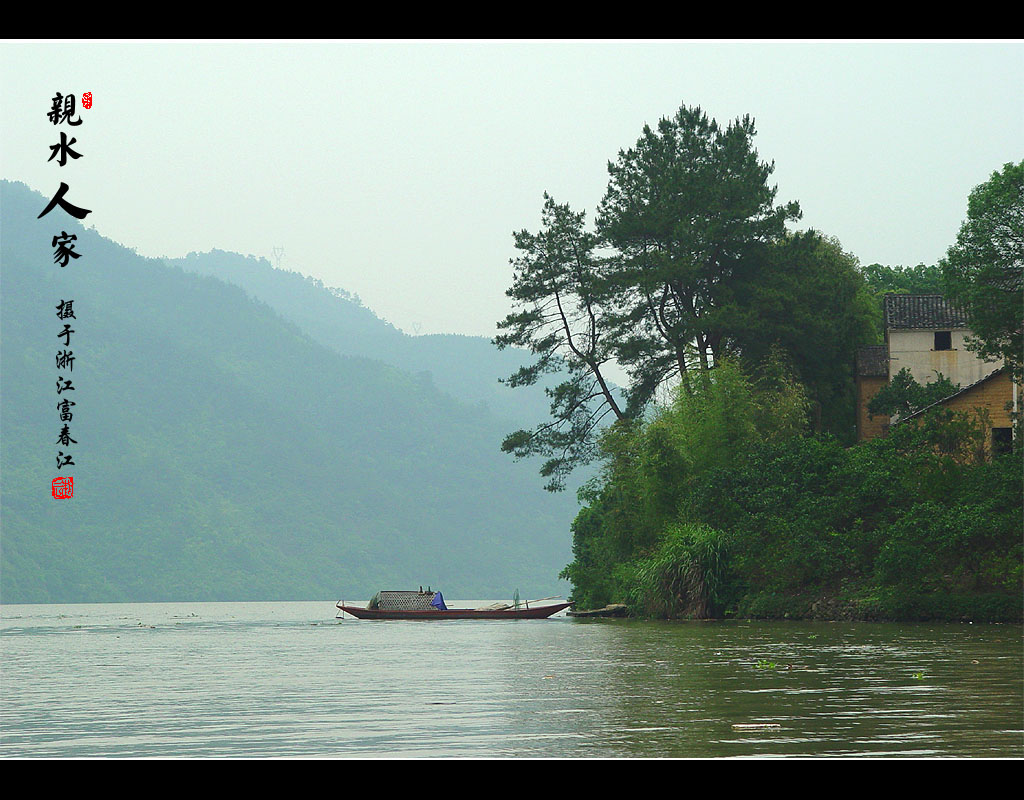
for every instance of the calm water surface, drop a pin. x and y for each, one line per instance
(287, 679)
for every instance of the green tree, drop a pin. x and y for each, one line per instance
(922, 279)
(810, 305)
(687, 218)
(688, 212)
(556, 290)
(984, 269)
(904, 396)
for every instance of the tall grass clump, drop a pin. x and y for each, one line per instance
(682, 577)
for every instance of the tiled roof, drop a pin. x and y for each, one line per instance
(873, 361)
(922, 311)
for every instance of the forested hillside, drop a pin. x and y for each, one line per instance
(223, 454)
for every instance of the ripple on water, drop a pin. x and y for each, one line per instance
(284, 679)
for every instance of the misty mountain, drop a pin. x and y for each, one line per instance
(466, 367)
(224, 453)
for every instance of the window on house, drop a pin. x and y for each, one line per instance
(943, 340)
(1002, 441)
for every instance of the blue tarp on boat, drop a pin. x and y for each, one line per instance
(438, 602)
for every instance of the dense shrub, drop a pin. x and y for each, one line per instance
(698, 513)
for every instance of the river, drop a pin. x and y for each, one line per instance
(288, 680)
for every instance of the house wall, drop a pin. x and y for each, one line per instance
(869, 428)
(993, 395)
(915, 350)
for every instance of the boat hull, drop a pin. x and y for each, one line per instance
(540, 612)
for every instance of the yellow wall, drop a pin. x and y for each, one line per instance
(992, 395)
(869, 428)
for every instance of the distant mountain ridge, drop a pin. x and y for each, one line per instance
(225, 454)
(466, 367)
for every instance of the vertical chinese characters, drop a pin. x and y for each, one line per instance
(63, 113)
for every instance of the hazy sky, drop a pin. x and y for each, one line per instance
(398, 170)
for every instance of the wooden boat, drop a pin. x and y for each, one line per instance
(537, 612)
(430, 605)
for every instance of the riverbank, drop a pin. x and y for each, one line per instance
(886, 607)
(686, 523)
(892, 608)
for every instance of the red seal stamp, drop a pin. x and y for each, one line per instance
(87, 100)
(63, 488)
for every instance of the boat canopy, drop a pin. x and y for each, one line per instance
(407, 601)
